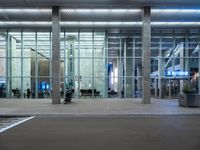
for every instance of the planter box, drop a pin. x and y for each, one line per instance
(189, 100)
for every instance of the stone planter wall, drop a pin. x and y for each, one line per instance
(189, 100)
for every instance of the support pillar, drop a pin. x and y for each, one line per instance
(146, 54)
(8, 67)
(55, 55)
(199, 69)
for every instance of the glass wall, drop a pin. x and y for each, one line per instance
(174, 61)
(98, 64)
(25, 64)
(84, 61)
(3, 64)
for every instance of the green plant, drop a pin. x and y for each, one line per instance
(188, 89)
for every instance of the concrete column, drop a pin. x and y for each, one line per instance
(8, 67)
(55, 55)
(146, 54)
(199, 70)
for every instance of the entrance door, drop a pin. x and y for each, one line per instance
(171, 88)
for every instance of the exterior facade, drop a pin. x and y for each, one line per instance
(105, 56)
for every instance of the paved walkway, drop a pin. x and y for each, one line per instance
(93, 107)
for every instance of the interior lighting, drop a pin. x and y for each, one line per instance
(109, 24)
(175, 10)
(24, 23)
(174, 23)
(25, 10)
(196, 74)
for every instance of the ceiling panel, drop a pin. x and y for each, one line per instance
(100, 15)
(124, 15)
(131, 3)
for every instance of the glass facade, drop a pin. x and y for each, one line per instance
(98, 64)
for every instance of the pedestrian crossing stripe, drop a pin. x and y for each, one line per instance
(14, 123)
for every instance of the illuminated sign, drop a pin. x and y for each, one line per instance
(177, 73)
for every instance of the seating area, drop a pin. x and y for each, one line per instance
(88, 92)
(16, 93)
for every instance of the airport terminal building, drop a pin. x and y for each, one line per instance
(101, 49)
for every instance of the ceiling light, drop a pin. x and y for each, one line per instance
(175, 23)
(175, 10)
(25, 10)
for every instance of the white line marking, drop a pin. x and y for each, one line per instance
(15, 124)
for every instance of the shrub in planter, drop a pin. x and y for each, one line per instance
(188, 89)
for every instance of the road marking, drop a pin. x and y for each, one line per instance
(15, 124)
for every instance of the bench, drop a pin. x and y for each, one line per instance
(88, 92)
(16, 93)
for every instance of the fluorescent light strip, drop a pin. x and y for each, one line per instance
(95, 10)
(174, 23)
(128, 23)
(175, 10)
(113, 10)
(25, 23)
(25, 10)
(63, 23)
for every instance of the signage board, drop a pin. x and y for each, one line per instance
(177, 73)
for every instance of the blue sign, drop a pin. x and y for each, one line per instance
(177, 73)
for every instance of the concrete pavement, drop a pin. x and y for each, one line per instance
(93, 107)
